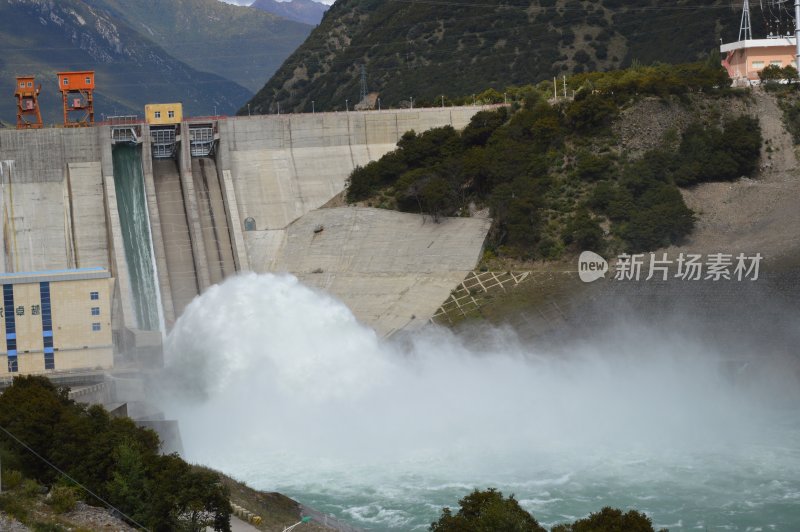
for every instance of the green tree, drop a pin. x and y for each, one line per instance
(610, 520)
(584, 232)
(111, 456)
(486, 511)
(128, 487)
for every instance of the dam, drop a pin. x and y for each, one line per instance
(170, 211)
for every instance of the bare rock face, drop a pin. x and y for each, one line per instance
(94, 518)
(9, 524)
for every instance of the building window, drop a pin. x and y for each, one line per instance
(95, 311)
(158, 114)
(66, 81)
(758, 64)
(88, 81)
(30, 84)
(95, 327)
(95, 296)
(171, 114)
(776, 63)
(22, 85)
(249, 224)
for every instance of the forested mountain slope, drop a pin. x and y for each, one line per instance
(426, 49)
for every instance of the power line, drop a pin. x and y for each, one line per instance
(87, 490)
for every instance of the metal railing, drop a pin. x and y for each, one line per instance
(201, 139)
(163, 142)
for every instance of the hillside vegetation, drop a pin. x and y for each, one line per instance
(553, 174)
(111, 458)
(428, 49)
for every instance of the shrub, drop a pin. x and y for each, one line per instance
(30, 488)
(63, 499)
(12, 479)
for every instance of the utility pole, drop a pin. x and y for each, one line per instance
(565, 86)
(443, 94)
(797, 32)
(412, 101)
(312, 107)
(745, 29)
(248, 110)
(347, 105)
(363, 83)
(555, 88)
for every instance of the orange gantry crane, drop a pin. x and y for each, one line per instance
(29, 116)
(77, 90)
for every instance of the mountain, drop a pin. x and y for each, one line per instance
(242, 44)
(305, 11)
(428, 49)
(41, 37)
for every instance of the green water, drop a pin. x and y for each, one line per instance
(135, 224)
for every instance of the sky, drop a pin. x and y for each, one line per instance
(248, 2)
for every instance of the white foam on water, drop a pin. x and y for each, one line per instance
(280, 385)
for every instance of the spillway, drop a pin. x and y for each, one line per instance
(175, 233)
(213, 222)
(134, 221)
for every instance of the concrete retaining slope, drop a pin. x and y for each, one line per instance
(392, 269)
(51, 200)
(285, 166)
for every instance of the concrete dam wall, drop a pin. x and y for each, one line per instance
(251, 203)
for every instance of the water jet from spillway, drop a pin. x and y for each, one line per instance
(279, 385)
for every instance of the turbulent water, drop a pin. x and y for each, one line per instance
(135, 225)
(280, 386)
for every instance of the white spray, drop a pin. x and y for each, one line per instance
(281, 386)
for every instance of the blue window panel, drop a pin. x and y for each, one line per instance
(11, 345)
(49, 350)
(11, 336)
(12, 353)
(48, 342)
(12, 365)
(49, 362)
(95, 296)
(95, 327)
(47, 334)
(95, 311)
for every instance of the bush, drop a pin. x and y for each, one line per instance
(610, 520)
(30, 488)
(63, 499)
(486, 510)
(12, 479)
(584, 232)
(110, 456)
